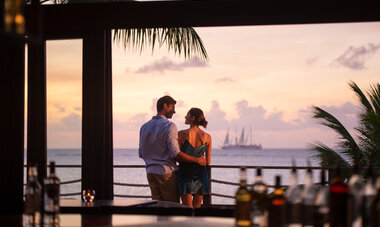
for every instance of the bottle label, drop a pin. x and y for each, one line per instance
(32, 203)
(293, 213)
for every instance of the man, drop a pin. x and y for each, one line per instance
(159, 148)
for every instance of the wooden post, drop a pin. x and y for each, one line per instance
(97, 143)
(207, 199)
(12, 92)
(37, 125)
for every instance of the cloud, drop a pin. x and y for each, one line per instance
(248, 116)
(355, 57)
(216, 117)
(225, 80)
(311, 61)
(257, 118)
(165, 64)
(133, 123)
(345, 113)
(260, 119)
(70, 123)
(60, 108)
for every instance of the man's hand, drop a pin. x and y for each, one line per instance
(183, 157)
(202, 160)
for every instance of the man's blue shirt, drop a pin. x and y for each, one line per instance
(158, 145)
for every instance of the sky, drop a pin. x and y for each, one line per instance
(265, 78)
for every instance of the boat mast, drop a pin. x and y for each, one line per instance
(242, 137)
(250, 127)
(227, 138)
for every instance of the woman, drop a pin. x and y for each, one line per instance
(192, 178)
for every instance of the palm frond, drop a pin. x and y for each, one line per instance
(327, 156)
(374, 95)
(346, 141)
(330, 158)
(366, 105)
(183, 41)
(369, 127)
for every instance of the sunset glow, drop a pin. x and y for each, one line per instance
(264, 77)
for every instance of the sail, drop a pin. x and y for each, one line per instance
(240, 143)
(242, 137)
(227, 139)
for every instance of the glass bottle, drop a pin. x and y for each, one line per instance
(293, 201)
(243, 202)
(308, 200)
(355, 198)
(51, 197)
(338, 201)
(259, 210)
(369, 194)
(276, 209)
(32, 204)
(321, 212)
(13, 16)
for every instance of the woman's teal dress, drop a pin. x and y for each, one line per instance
(193, 178)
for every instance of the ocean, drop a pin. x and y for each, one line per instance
(264, 157)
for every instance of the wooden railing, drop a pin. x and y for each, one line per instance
(207, 199)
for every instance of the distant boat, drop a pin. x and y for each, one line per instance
(242, 144)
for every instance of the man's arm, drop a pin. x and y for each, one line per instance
(140, 143)
(179, 156)
(183, 157)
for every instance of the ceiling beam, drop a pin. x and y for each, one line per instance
(74, 19)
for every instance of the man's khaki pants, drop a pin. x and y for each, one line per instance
(164, 187)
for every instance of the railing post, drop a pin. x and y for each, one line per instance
(207, 198)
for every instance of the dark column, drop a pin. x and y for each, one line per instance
(97, 145)
(36, 134)
(12, 92)
(207, 198)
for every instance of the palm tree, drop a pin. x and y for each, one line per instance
(183, 41)
(365, 150)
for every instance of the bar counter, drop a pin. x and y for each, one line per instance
(73, 220)
(111, 220)
(109, 213)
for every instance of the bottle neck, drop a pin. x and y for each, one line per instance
(52, 169)
(293, 179)
(308, 178)
(258, 178)
(32, 174)
(277, 186)
(243, 177)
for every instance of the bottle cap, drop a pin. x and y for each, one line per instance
(258, 172)
(278, 180)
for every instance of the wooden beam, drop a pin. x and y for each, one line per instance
(37, 123)
(97, 142)
(12, 93)
(73, 20)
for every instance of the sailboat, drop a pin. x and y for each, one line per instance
(242, 144)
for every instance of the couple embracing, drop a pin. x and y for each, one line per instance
(161, 146)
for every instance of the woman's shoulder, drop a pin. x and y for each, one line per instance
(208, 136)
(183, 133)
(205, 135)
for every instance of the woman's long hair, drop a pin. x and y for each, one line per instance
(199, 117)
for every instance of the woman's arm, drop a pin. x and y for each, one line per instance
(181, 139)
(208, 152)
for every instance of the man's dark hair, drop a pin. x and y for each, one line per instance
(165, 99)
